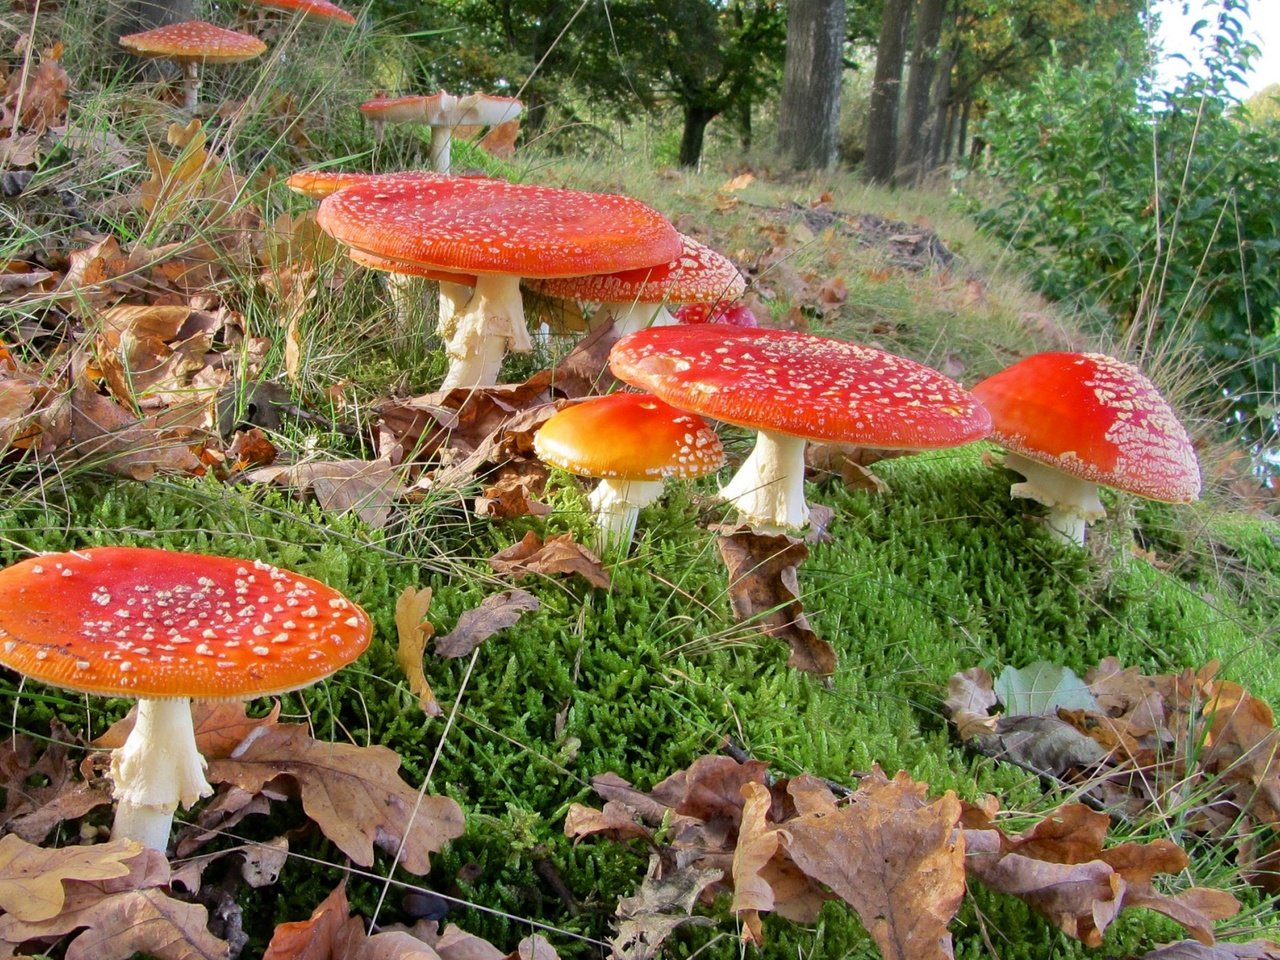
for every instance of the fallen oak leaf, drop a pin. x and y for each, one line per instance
(661, 905)
(764, 589)
(758, 842)
(1191, 950)
(354, 794)
(558, 554)
(496, 612)
(31, 877)
(367, 488)
(970, 697)
(414, 630)
(329, 933)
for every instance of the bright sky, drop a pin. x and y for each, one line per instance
(1264, 30)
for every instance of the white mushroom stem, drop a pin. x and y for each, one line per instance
(157, 768)
(616, 504)
(629, 316)
(491, 323)
(453, 297)
(768, 488)
(441, 143)
(190, 85)
(1072, 502)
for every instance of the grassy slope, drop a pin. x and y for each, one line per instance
(941, 573)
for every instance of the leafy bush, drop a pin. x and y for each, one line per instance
(1160, 206)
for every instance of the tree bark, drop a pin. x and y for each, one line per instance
(882, 111)
(696, 119)
(809, 114)
(924, 60)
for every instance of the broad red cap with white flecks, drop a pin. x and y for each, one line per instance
(698, 275)
(311, 9)
(628, 436)
(801, 385)
(139, 622)
(318, 184)
(1096, 418)
(194, 40)
(477, 225)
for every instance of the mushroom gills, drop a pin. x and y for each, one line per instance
(1072, 502)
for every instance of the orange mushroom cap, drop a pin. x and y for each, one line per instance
(1096, 418)
(482, 226)
(311, 9)
(629, 436)
(800, 385)
(697, 275)
(140, 622)
(194, 40)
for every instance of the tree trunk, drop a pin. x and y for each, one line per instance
(924, 60)
(696, 119)
(939, 126)
(809, 113)
(882, 111)
(963, 133)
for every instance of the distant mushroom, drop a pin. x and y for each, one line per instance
(500, 232)
(792, 387)
(736, 314)
(631, 442)
(443, 113)
(190, 44)
(635, 299)
(165, 627)
(317, 10)
(1076, 421)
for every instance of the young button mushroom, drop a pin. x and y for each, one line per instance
(190, 44)
(500, 232)
(792, 387)
(631, 442)
(1076, 421)
(165, 627)
(635, 299)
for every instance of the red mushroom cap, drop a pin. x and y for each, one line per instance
(1096, 418)
(736, 314)
(698, 275)
(194, 40)
(801, 385)
(628, 436)
(318, 184)
(410, 109)
(138, 622)
(374, 262)
(311, 9)
(476, 225)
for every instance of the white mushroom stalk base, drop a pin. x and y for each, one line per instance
(1072, 502)
(157, 768)
(768, 488)
(631, 315)
(616, 504)
(491, 323)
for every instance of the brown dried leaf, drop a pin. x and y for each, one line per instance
(764, 589)
(496, 612)
(414, 630)
(43, 98)
(329, 933)
(660, 906)
(31, 877)
(1190, 950)
(758, 842)
(104, 433)
(849, 462)
(898, 860)
(970, 697)
(500, 141)
(559, 554)
(615, 821)
(354, 794)
(369, 488)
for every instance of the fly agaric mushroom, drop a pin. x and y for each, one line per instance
(165, 627)
(792, 387)
(190, 44)
(631, 442)
(736, 314)
(635, 299)
(318, 10)
(1076, 421)
(500, 232)
(443, 113)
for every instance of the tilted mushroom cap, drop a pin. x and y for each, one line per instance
(1096, 418)
(801, 385)
(629, 436)
(444, 109)
(140, 622)
(482, 226)
(311, 9)
(318, 184)
(194, 40)
(698, 275)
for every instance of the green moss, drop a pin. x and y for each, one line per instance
(941, 573)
